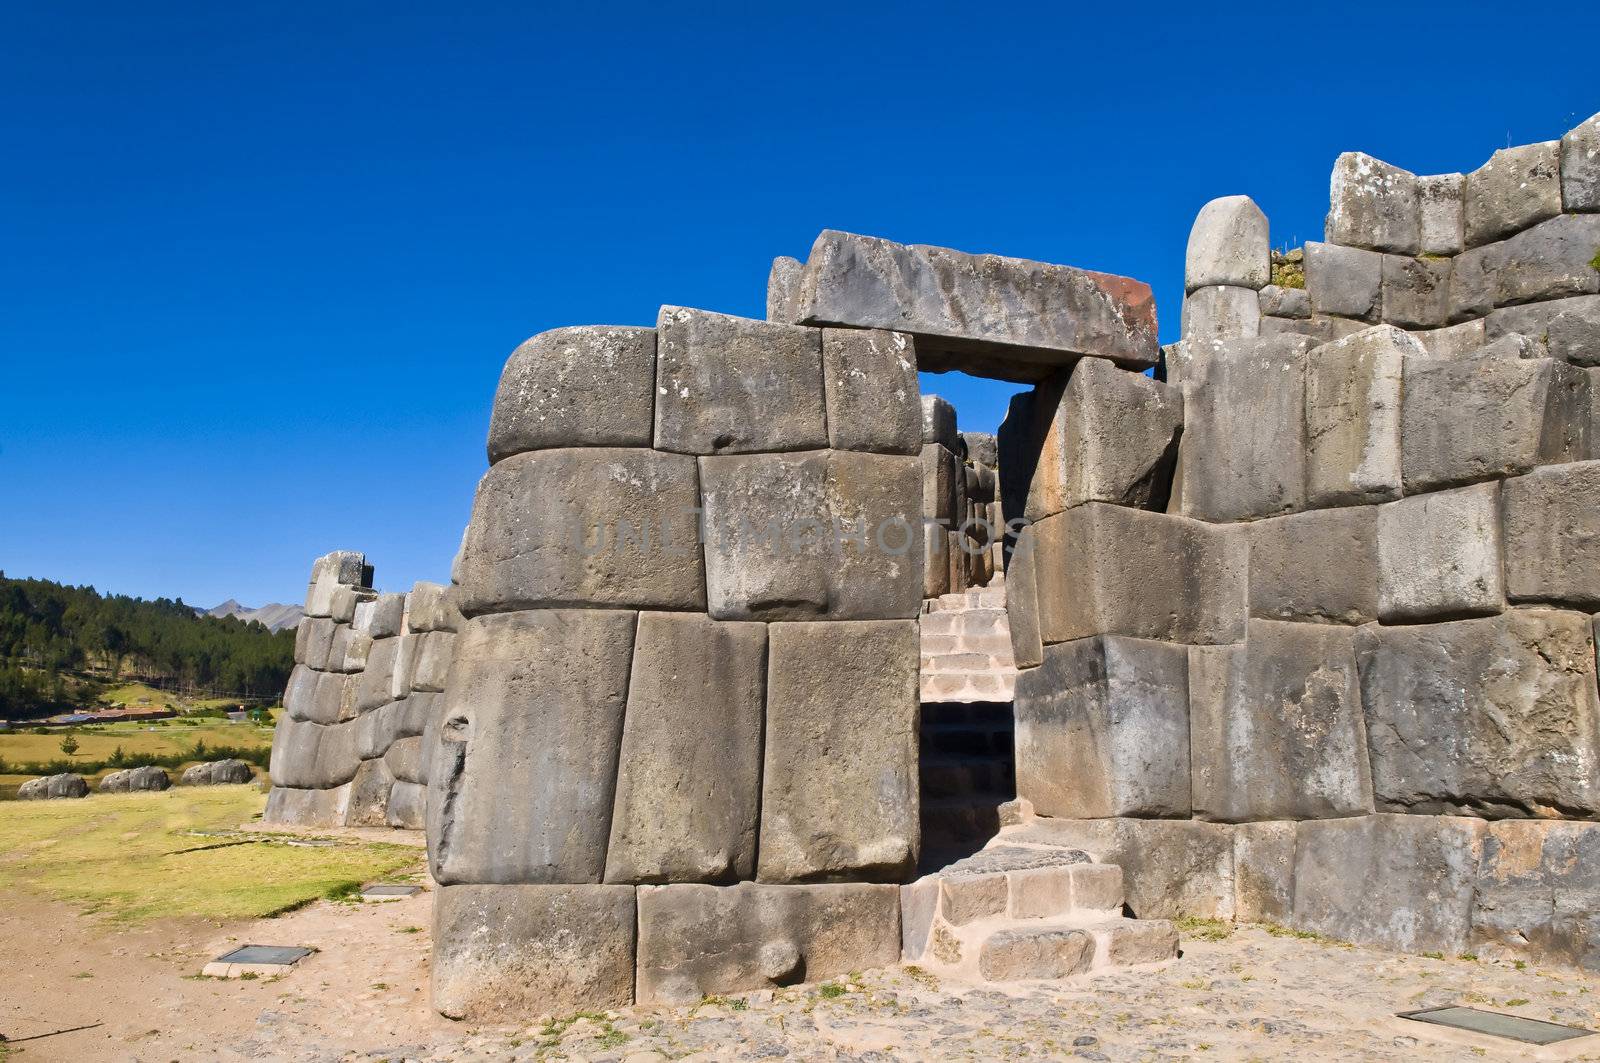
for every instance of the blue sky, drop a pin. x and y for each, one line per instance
(260, 264)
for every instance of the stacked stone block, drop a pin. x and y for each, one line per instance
(962, 522)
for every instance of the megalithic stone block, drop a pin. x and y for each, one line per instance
(315, 640)
(1221, 312)
(939, 423)
(870, 378)
(381, 617)
(1496, 716)
(369, 795)
(1103, 729)
(1516, 188)
(696, 941)
(1552, 535)
(1263, 872)
(1486, 417)
(594, 527)
(375, 683)
(783, 289)
(408, 807)
(935, 560)
(1111, 437)
(1580, 167)
(1552, 260)
(732, 385)
(1022, 604)
(1536, 319)
(982, 447)
(431, 607)
(839, 784)
(511, 951)
(1276, 729)
(1345, 282)
(1537, 896)
(939, 471)
(1453, 342)
(589, 386)
(1244, 430)
(431, 667)
(1228, 244)
(1373, 205)
(404, 760)
(1439, 555)
(1352, 413)
(996, 316)
(874, 502)
(1018, 446)
(689, 781)
(1110, 570)
(525, 767)
(1574, 335)
(342, 568)
(1319, 566)
(1443, 223)
(299, 698)
(1417, 291)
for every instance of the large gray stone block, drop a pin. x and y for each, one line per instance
(1318, 566)
(1171, 868)
(381, 617)
(1291, 303)
(982, 447)
(1228, 244)
(596, 527)
(299, 698)
(314, 642)
(1580, 167)
(870, 378)
(1487, 417)
(589, 386)
(406, 762)
(939, 422)
(1439, 555)
(839, 783)
(1263, 872)
(1102, 729)
(1394, 882)
(1552, 535)
(516, 951)
(1373, 205)
(1344, 281)
(689, 779)
(1276, 729)
(1022, 604)
(342, 568)
(1552, 260)
(1443, 221)
(1110, 570)
(308, 807)
(525, 766)
(1516, 188)
(994, 316)
(1574, 335)
(1452, 341)
(1538, 893)
(941, 479)
(1111, 437)
(697, 941)
(1352, 414)
(1535, 319)
(430, 667)
(1416, 291)
(431, 607)
(1220, 312)
(407, 808)
(783, 289)
(732, 385)
(368, 804)
(374, 686)
(1496, 716)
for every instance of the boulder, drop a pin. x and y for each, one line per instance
(404, 758)
(506, 952)
(1352, 414)
(368, 804)
(839, 783)
(697, 940)
(1344, 281)
(52, 787)
(1538, 893)
(1549, 261)
(1580, 167)
(1102, 729)
(1552, 535)
(733, 385)
(1442, 228)
(1516, 188)
(939, 423)
(1373, 205)
(1417, 291)
(1496, 716)
(1263, 872)
(870, 380)
(1574, 335)
(1439, 555)
(523, 774)
(135, 780)
(1171, 868)
(590, 386)
(1320, 566)
(597, 527)
(783, 289)
(1393, 882)
(1276, 729)
(1221, 312)
(984, 314)
(689, 779)
(222, 772)
(1228, 244)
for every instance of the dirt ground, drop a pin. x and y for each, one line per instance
(363, 996)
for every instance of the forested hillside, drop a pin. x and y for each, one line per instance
(52, 637)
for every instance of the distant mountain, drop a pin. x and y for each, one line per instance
(275, 616)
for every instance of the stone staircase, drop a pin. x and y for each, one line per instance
(966, 646)
(1011, 913)
(967, 772)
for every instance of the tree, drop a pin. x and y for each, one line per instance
(69, 745)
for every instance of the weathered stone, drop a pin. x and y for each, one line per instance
(305, 755)
(940, 472)
(696, 941)
(1580, 167)
(935, 560)
(377, 729)
(328, 702)
(1574, 335)
(1291, 303)
(1373, 205)
(732, 385)
(342, 568)
(135, 780)
(1439, 555)
(431, 666)
(1516, 188)
(689, 780)
(508, 952)
(53, 787)
(526, 763)
(839, 784)
(1221, 312)
(308, 807)
(1109, 570)
(1394, 882)
(1022, 604)
(1276, 729)
(1535, 319)
(1019, 454)
(1498, 716)
(1416, 291)
(1344, 281)
(431, 607)
(1320, 328)
(1538, 893)
(965, 898)
(985, 314)
(1552, 535)
(374, 685)
(783, 289)
(1244, 430)
(314, 640)
(982, 447)
(939, 422)
(405, 760)
(1102, 729)
(1171, 868)
(408, 807)
(1552, 260)
(347, 653)
(596, 527)
(1318, 566)
(1352, 414)
(1263, 872)
(870, 379)
(229, 772)
(1112, 437)
(300, 697)
(1512, 347)
(369, 795)
(342, 604)
(1443, 223)
(1019, 953)
(1486, 417)
(590, 386)
(1228, 244)
(381, 617)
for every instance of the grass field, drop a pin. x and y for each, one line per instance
(162, 737)
(133, 857)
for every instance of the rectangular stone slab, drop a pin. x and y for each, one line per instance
(983, 314)
(1552, 535)
(1538, 893)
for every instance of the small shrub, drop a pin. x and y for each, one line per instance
(830, 990)
(69, 745)
(1594, 263)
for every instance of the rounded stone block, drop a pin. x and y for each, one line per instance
(1228, 244)
(590, 386)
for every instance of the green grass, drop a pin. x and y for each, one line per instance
(1594, 263)
(130, 858)
(1204, 929)
(98, 742)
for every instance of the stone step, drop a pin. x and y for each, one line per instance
(966, 622)
(968, 686)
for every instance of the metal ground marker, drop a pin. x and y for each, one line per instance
(384, 891)
(255, 959)
(1534, 1038)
